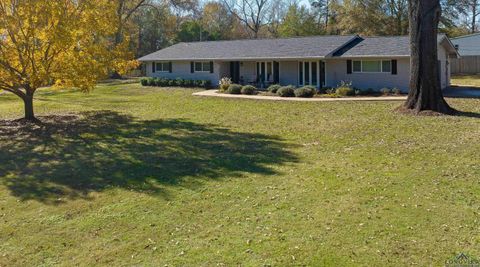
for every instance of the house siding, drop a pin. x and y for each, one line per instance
(336, 70)
(181, 69)
(289, 73)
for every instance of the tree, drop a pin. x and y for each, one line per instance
(62, 43)
(425, 92)
(298, 22)
(251, 13)
(217, 21)
(471, 9)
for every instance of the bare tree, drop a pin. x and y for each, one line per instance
(471, 8)
(425, 90)
(252, 13)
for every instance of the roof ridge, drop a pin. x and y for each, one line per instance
(274, 38)
(468, 35)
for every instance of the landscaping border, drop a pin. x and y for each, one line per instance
(214, 93)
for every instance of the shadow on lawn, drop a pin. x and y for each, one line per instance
(69, 156)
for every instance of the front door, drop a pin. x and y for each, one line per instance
(235, 71)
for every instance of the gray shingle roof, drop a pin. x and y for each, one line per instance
(468, 45)
(301, 47)
(289, 48)
(380, 46)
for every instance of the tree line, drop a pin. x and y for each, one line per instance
(154, 24)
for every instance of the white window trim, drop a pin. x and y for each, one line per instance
(372, 72)
(162, 62)
(202, 62)
(310, 70)
(265, 68)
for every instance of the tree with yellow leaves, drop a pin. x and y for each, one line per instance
(60, 43)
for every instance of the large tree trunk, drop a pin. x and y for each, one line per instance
(28, 101)
(425, 89)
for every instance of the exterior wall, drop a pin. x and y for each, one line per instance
(289, 73)
(336, 70)
(181, 69)
(444, 65)
(248, 71)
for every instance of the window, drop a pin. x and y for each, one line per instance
(372, 66)
(386, 66)
(163, 67)
(202, 66)
(357, 66)
(308, 73)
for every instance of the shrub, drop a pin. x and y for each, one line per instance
(396, 91)
(330, 91)
(385, 91)
(234, 89)
(207, 84)
(179, 82)
(344, 91)
(286, 91)
(248, 90)
(274, 88)
(171, 83)
(306, 91)
(224, 83)
(144, 81)
(151, 81)
(158, 82)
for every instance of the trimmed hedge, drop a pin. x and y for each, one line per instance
(306, 91)
(164, 82)
(274, 88)
(234, 89)
(286, 91)
(248, 90)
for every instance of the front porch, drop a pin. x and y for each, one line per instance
(262, 74)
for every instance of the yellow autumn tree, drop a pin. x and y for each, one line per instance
(58, 43)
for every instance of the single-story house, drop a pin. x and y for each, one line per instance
(468, 47)
(321, 61)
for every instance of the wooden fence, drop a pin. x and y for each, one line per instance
(466, 65)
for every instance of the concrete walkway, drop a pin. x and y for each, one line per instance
(213, 93)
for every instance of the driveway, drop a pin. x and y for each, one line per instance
(462, 92)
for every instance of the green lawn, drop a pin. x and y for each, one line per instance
(151, 177)
(466, 80)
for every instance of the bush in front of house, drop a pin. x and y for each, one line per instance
(273, 88)
(396, 91)
(345, 89)
(234, 89)
(385, 91)
(248, 90)
(286, 91)
(224, 83)
(164, 82)
(306, 91)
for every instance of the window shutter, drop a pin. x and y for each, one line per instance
(394, 67)
(153, 67)
(276, 72)
(192, 67)
(258, 72)
(211, 66)
(349, 67)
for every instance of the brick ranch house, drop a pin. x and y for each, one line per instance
(321, 61)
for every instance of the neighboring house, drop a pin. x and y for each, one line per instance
(321, 61)
(469, 49)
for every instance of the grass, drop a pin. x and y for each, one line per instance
(147, 176)
(466, 80)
